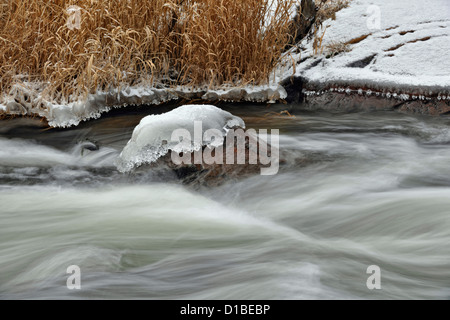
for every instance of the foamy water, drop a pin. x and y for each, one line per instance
(355, 190)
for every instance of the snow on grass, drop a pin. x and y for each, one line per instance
(213, 44)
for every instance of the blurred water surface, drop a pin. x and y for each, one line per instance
(354, 190)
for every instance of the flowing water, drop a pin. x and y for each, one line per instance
(354, 190)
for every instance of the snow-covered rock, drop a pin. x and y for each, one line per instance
(152, 138)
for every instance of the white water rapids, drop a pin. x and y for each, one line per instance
(354, 190)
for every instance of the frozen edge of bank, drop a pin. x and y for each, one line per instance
(27, 102)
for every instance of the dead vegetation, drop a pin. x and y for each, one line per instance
(402, 44)
(395, 47)
(326, 9)
(335, 47)
(129, 42)
(358, 39)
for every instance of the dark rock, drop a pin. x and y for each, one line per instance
(84, 147)
(434, 108)
(340, 102)
(303, 21)
(362, 63)
(314, 64)
(90, 145)
(294, 89)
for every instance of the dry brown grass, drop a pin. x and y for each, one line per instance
(336, 47)
(358, 39)
(326, 10)
(402, 44)
(127, 42)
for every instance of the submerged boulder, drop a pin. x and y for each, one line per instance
(242, 154)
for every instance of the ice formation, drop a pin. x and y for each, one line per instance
(152, 138)
(71, 114)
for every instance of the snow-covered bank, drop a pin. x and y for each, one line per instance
(394, 48)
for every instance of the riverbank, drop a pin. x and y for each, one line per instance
(369, 56)
(68, 63)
